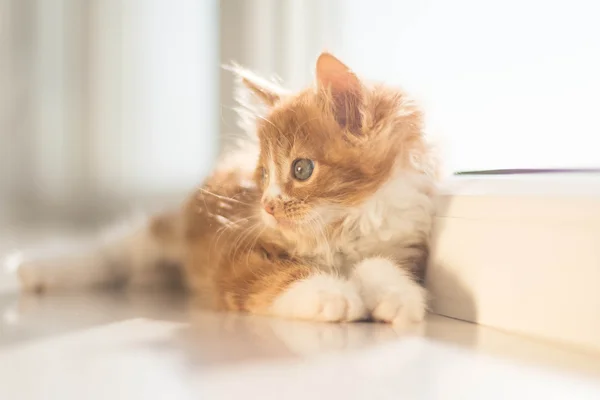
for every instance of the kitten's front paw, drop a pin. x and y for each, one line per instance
(320, 298)
(400, 308)
(389, 292)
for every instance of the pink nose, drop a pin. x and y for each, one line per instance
(269, 207)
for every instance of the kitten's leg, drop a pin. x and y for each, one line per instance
(290, 290)
(134, 252)
(390, 292)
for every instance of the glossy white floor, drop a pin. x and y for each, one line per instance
(120, 346)
(156, 346)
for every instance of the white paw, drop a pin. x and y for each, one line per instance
(31, 277)
(42, 273)
(15, 268)
(401, 308)
(391, 294)
(33, 270)
(320, 298)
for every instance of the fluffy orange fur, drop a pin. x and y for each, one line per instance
(253, 231)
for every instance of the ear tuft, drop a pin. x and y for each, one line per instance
(255, 96)
(269, 93)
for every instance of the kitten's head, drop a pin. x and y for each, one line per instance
(327, 149)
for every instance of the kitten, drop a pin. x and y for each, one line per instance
(330, 221)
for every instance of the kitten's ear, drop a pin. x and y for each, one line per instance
(267, 92)
(345, 88)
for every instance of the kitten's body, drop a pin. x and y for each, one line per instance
(348, 242)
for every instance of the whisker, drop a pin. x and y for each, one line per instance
(254, 244)
(240, 239)
(271, 123)
(218, 196)
(232, 225)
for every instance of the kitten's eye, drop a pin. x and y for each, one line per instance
(302, 169)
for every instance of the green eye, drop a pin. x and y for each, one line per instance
(302, 169)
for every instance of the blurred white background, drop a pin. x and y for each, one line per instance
(107, 102)
(505, 84)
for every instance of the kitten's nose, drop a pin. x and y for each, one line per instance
(269, 207)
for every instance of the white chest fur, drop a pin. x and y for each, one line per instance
(398, 214)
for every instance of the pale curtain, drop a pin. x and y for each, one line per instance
(104, 102)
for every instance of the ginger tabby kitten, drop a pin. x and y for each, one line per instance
(330, 220)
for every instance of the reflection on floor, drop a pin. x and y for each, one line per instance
(155, 346)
